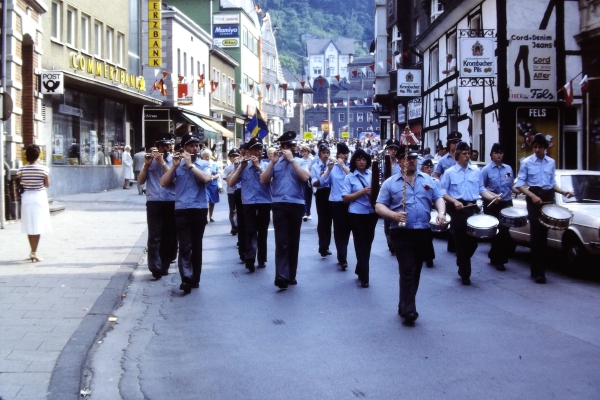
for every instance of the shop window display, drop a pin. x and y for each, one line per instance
(87, 129)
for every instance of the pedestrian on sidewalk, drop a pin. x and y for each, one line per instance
(212, 187)
(35, 213)
(160, 207)
(127, 170)
(190, 174)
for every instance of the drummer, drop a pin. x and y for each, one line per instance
(427, 168)
(498, 178)
(462, 185)
(536, 180)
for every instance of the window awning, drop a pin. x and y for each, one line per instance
(209, 131)
(224, 131)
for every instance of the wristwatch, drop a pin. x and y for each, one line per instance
(191, 166)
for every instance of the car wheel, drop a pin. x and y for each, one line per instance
(574, 254)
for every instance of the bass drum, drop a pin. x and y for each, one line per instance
(555, 217)
(434, 225)
(482, 226)
(513, 217)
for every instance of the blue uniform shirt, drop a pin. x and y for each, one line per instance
(286, 187)
(445, 162)
(336, 179)
(190, 192)
(253, 192)
(316, 173)
(464, 184)
(354, 182)
(498, 179)
(226, 171)
(419, 199)
(154, 192)
(536, 172)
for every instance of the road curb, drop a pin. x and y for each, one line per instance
(67, 375)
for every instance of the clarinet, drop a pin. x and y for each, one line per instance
(402, 224)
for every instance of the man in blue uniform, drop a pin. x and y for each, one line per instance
(190, 174)
(537, 181)
(288, 176)
(160, 207)
(339, 210)
(391, 147)
(323, 186)
(448, 160)
(411, 242)
(256, 198)
(227, 173)
(462, 184)
(498, 178)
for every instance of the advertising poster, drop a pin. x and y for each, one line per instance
(409, 83)
(532, 120)
(531, 66)
(94, 147)
(477, 58)
(414, 109)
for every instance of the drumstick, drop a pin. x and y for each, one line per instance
(491, 202)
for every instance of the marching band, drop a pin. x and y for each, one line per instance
(350, 197)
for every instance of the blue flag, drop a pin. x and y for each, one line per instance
(257, 126)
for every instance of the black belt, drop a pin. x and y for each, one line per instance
(537, 190)
(467, 202)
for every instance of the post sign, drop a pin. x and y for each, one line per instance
(409, 83)
(414, 109)
(531, 65)
(532, 120)
(477, 57)
(53, 82)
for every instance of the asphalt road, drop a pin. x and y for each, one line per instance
(240, 337)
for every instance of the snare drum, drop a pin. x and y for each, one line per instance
(555, 217)
(434, 225)
(482, 226)
(513, 217)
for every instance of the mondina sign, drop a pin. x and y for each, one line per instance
(107, 71)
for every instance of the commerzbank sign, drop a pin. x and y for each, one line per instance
(107, 71)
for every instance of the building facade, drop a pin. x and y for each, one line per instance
(329, 57)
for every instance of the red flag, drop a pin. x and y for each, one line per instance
(320, 81)
(216, 85)
(233, 86)
(584, 85)
(180, 78)
(154, 87)
(568, 89)
(302, 83)
(284, 85)
(182, 90)
(212, 87)
(337, 77)
(268, 85)
(372, 67)
(389, 60)
(355, 73)
(251, 86)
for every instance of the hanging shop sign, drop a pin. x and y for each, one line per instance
(414, 109)
(226, 18)
(107, 71)
(221, 31)
(532, 65)
(409, 83)
(53, 82)
(477, 57)
(229, 43)
(154, 34)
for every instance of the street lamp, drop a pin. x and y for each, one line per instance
(439, 106)
(449, 103)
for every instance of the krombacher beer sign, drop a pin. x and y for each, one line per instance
(107, 71)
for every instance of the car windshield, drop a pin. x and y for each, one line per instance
(585, 187)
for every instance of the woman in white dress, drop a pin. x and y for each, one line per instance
(127, 166)
(35, 213)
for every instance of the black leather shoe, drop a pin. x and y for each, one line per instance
(499, 266)
(262, 265)
(233, 232)
(466, 281)
(281, 283)
(157, 275)
(410, 317)
(250, 266)
(344, 265)
(540, 279)
(294, 282)
(186, 287)
(164, 273)
(429, 264)
(195, 286)
(364, 284)
(325, 253)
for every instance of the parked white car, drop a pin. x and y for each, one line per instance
(580, 242)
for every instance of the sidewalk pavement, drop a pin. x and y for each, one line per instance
(51, 312)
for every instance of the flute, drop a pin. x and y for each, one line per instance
(402, 224)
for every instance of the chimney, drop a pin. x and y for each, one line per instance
(351, 58)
